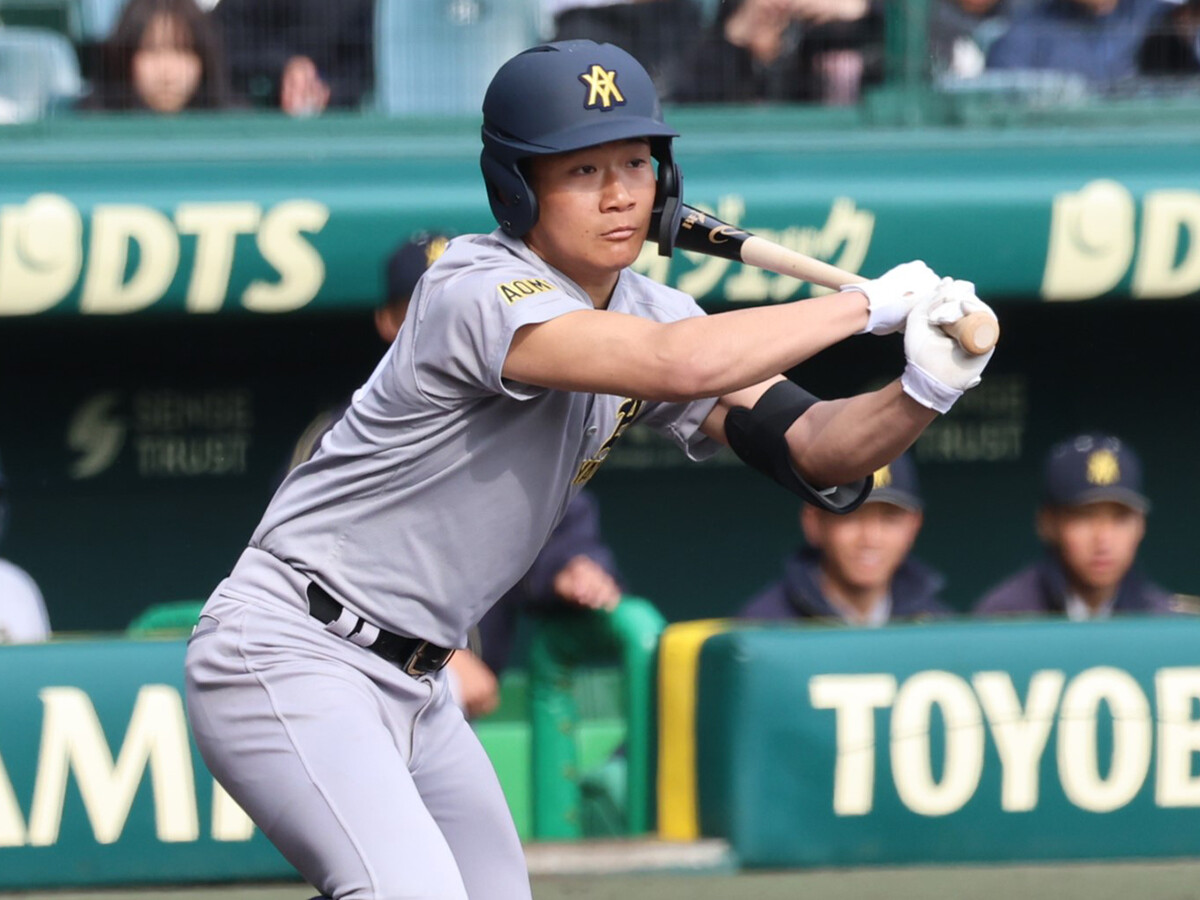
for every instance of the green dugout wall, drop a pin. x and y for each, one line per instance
(177, 300)
(951, 742)
(945, 742)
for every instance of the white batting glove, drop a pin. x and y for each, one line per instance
(891, 296)
(939, 370)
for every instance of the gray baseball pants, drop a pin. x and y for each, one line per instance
(370, 782)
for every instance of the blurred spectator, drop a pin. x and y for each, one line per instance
(857, 567)
(1173, 47)
(787, 50)
(300, 56)
(164, 57)
(1092, 521)
(962, 31)
(575, 566)
(23, 618)
(1096, 39)
(657, 33)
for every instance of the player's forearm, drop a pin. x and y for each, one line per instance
(715, 355)
(840, 441)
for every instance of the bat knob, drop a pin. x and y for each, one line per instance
(975, 332)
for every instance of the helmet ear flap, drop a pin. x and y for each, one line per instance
(513, 202)
(668, 202)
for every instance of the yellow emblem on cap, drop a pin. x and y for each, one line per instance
(1103, 468)
(883, 477)
(434, 249)
(602, 88)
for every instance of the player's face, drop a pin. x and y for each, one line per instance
(862, 550)
(594, 211)
(1097, 543)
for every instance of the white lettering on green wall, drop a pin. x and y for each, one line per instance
(1020, 734)
(912, 754)
(41, 253)
(1094, 235)
(1178, 690)
(12, 825)
(1079, 767)
(133, 255)
(855, 697)
(1054, 708)
(73, 742)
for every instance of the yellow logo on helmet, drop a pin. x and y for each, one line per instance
(883, 477)
(602, 88)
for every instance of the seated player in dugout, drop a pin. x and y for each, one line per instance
(314, 677)
(857, 567)
(1091, 520)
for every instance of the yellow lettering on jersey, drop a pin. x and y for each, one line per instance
(602, 88)
(512, 291)
(627, 412)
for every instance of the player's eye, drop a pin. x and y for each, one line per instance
(585, 169)
(638, 162)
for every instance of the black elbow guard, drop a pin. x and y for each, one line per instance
(757, 437)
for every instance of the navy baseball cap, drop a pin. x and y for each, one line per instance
(406, 266)
(1094, 468)
(896, 483)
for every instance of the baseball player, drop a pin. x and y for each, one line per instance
(313, 676)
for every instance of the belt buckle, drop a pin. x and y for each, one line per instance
(417, 662)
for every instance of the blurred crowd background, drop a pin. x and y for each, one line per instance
(399, 57)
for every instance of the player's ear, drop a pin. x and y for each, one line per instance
(810, 525)
(1046, 525)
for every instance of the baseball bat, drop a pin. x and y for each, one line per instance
(976, 332)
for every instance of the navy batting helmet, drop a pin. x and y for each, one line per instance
(566, 96)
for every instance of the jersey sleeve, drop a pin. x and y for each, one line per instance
(465, 325)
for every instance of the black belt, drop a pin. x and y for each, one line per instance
(413, 655)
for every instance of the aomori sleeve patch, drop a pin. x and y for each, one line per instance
(466, 324)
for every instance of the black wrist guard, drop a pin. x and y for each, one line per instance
(757, 437)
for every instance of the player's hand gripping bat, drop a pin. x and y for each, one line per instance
(976, 332)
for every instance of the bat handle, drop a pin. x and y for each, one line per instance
(975, 332)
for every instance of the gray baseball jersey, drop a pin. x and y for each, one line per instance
(422, 506)
(435, 492)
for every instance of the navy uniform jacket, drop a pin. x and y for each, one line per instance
(1065, 36)
(1042, 588)
(915, 590)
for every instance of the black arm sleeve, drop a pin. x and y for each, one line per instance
(757, 437)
